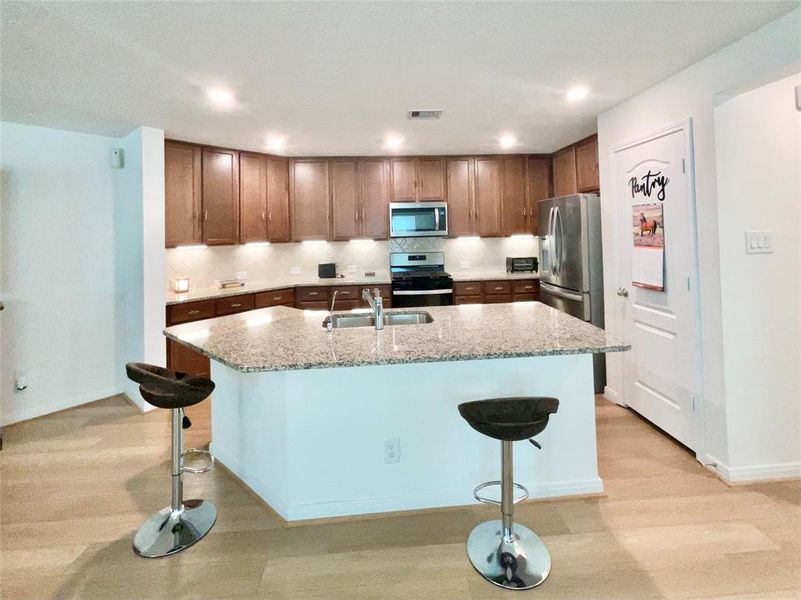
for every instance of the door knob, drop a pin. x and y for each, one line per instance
(622, 292)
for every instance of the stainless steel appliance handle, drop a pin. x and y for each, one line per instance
(551, 243)
(436, 219)
(559, 230)
(421, 292)
(560, 293)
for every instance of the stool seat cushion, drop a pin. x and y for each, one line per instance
(509, 419)
(164, 388)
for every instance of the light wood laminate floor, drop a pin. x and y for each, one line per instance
(76, 484)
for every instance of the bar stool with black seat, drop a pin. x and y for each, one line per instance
(184, 522)
(507, 554)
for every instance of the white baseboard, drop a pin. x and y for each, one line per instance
(31, 411)
(757, 472)
(613, 396)
(140, 405)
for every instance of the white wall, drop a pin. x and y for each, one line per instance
(758, 160)
(57, 269)
(767, 52)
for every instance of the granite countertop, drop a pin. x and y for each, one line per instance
(208, 293)
(286, 339)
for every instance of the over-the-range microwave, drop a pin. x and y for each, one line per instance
(418, 219)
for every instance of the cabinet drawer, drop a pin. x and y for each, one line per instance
(497, 298)
(467, 299)
(313, 305)
(190, 311)
(467, 288)
(527, 286)
(235, 304)
(347, 292)
(498, 287)
(275, 298)
(311, 294)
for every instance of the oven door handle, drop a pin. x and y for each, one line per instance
(421, 292)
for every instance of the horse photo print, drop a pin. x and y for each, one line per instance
(648, 225)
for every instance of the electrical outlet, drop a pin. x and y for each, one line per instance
(294, 270)
(351, 268)
(392, 451)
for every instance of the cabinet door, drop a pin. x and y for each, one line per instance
(488, 197)
(374, 199)
(538, 188)
(345, 199)
(587, 165)
(220, 196)
(183, 359)
(459, 173)
(278, 200)
(564, 172)
(182, 173)
(402, 179)
(430, 179)
(514, 210)
(252, 198)
(309, 199)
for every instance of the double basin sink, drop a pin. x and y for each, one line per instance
(368, 320)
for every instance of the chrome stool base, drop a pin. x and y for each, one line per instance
(168, 531)
(518, 565)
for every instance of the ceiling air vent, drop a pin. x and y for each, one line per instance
(424, 114)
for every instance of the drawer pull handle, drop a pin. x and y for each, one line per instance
(236, 305)
(529, 287)
(312, 293)
(193, 312)
(278, 297)
(498, 289)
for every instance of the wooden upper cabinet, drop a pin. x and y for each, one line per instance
(403, 179)
(220, 196)
(309, 199)
(564, 172)
(430, 179)
(374, 194)
(182, 194)
(587, 165)
(459, 173)
(488, 196)
(278, 199)
(345, 207)
(514, 208)
(538, 187)
(252, 198)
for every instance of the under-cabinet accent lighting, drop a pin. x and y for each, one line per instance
(468, 238)
(575, 94)
(522, 236)
(276, 143)
(507, 141)
(362, 240)
(315, 241)
(393, 142)
(252, 244)
(180, 284)
(192, 246)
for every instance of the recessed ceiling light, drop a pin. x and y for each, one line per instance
(577, 93)
(276, 143)
(508, 141)
(393, 142)
(220, 97)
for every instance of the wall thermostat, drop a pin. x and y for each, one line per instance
(117, 158)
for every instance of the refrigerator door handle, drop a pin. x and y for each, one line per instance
(560, 293)
(559, 230)
(551, 241)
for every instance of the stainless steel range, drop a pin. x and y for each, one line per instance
(419, 279)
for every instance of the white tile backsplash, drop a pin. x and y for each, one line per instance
(263, 263)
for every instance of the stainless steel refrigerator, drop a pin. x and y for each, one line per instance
(571, 266)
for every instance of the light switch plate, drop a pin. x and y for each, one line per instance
(351, 268)
(759, 242)
(294, 270)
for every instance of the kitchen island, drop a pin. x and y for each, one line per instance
(360, 421)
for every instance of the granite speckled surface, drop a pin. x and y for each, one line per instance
(285, 339)
(252, 287)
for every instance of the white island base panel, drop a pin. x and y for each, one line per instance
(311, 443)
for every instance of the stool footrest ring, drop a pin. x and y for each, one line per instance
(486, 500)
(197, 470)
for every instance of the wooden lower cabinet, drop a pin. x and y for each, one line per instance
(285, 297)
(234, 304)
(183, 359)
(496, 291)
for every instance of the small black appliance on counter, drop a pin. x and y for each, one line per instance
(518, 265)
(327, 270)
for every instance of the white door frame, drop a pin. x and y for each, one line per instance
(689, 167)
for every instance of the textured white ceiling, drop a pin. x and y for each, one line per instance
(335, 77)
